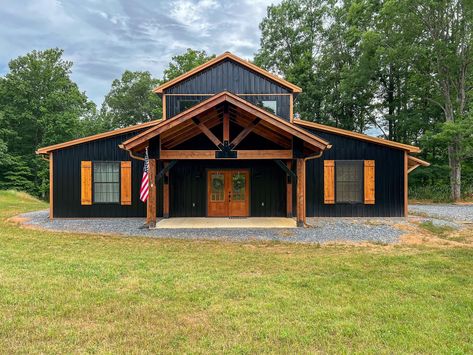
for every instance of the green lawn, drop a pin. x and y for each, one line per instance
(66, 293)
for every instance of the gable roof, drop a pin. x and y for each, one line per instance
(227, 55)
(233, 99)
(48, 149)
(360, 136)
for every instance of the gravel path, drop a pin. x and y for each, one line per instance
(322, 230)
(462, 213)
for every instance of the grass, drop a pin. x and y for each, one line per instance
(438, 230)
(64, 293)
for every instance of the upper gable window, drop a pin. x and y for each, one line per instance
(186, 104)
(270, 106)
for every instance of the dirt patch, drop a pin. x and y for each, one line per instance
(417, 236)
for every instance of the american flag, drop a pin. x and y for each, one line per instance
(144, 189)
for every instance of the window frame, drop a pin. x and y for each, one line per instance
(361, 182)
(119, 182)
(270, 108)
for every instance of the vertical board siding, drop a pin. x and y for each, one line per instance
(233, 77)
(67, 180)
(389, 179)
(188, 187)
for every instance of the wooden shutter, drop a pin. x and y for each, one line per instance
(125, 182)
(86, 183)
(369, 182)
(329, 181)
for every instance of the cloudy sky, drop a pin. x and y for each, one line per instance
(105, 37)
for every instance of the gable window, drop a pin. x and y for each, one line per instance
(270, 106)
(349, 181)
(186, 104)
(106, 176)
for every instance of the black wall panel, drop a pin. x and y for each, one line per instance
(389, 179)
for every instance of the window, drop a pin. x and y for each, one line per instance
(270, 106)
(349, 181)
(106, 182)
(186, 104)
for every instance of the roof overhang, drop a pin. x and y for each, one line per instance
(227, 55)
(51, 148)
(138, 142)
(413, 163)
(360, 136)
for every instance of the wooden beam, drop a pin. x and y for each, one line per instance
(226, 125)
(166, 193)
(289, 192)
(291, 108)
(301, 208)
(151, 203)
(205, 130)
(51, 186)
(246, 131)
(164, 107)
(265, 133)
(210, 154)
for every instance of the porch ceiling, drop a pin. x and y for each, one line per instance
(208, 114)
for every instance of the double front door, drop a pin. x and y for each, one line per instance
(228, 193)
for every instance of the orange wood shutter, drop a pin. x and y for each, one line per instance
(329, 181)
(369, 182)
(86, 183)
(125, 182)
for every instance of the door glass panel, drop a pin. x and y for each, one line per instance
(217, 187)
(238, 187)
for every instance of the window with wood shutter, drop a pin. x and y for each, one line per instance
(369, 184)
(106, 182)
(329, 181)
(86, 183)
(125, 182)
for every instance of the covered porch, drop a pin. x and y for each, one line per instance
(224, 153)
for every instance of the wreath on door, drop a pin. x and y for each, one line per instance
(238, 184)
(217, 184)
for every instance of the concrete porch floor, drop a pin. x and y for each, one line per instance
(225, 222)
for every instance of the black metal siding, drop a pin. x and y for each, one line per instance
(188, 187)
(231, 76)
(67, 180)
(389, 179)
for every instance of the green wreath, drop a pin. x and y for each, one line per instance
(238, 184)
(217, 184)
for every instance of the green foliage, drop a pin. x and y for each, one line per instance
(182, 63)
(130, 101)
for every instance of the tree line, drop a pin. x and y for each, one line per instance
(401, 69)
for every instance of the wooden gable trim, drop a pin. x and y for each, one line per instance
(46, 150)
(360, 136)
(225, 96)
(227, 55)
(413, 163)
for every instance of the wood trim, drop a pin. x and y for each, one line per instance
(227, 55)
(125, 182)
(246, 131)
(413, 163)
(289, 192)
(151, 202)
(364, 137)
(369, 182)
(329, 182)
(86, 182)
(210, 154)
(205, 130)
(166, 193)
(164, 107)
(48, 149)
(291, 108)
(265, 94)
(406, 185)
(226, 126)
(51, 186)
(301, 182)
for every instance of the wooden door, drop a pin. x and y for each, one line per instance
(228, 193)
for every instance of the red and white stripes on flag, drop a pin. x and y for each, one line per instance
(144, 189)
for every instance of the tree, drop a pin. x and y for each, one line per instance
(130, 101)
(40, 105)
(182, 63)
(448, 36)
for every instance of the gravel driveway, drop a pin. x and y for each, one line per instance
(461, 213)
(322, 230)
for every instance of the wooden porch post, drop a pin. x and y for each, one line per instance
(151, 203)
(166, 193)
(301, 210)
(289, 192)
